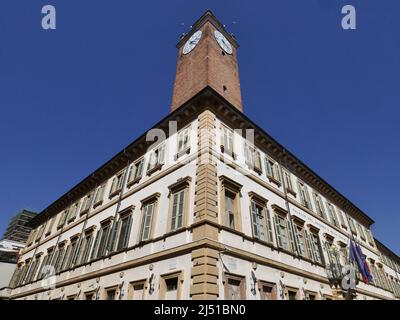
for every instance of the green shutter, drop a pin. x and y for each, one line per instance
(269, 226)
(113, 236)
(293, 244)
(309, 245)
(95, 245)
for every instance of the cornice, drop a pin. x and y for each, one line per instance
(207, 98)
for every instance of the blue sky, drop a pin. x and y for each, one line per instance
(72, 98)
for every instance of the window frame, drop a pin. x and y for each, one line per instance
(151, 200)
(228, 185)
(182, 185)
(242, 285)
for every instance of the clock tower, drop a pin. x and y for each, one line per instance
(207, 57)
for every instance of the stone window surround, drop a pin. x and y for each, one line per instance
(242, 287)
(144, 282)
(181, 184)
(163, 286)
(228, 184)
(154, 198)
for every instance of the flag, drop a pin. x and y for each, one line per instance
(357, 256)
(367, 271)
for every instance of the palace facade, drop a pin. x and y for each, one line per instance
(216, 210)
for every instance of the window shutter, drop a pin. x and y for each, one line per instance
(269, 226)
(309, 245)
(161, 155)
(278, 235)
(180, 208)
(95, 245)
(293, 244)
(113, 237)
(319, 248)
(269, 169)
(278, 172)
(253, 211)
(146, 228)
(113, 185)
(131, 173)
(174, 211)
(299, 187)
(257, 162)
(127, 233)
(78, 250)
(64, 265)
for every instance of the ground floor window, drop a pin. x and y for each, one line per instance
(234, 287)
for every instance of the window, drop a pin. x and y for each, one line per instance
(370, 237)
(332, 214)
(73, 210)
(50, 226)
(230, 203)
(31, 237)
(111, 294)
(304, 196)
(183, 142)
(291, 294)
(352, 226)
(342, 219)
(301, 242)
(156, 159)
(89, 296)
(170, 286)
(33, 270)
(39, 233)
(234, 287)
(288, 182)
(319, 205)
(98, 196)
(86, 203)
(104, 232)
(86, 246)
(135, 172)
(148, 213)
(70, 258)
(227, 141)
(360, 231)
(252, 158)
(62, 219)
(273, 171)
(314, 246)
(177, 209)
(45, 263)
(58, 258)
(335, 266)
(178, 206)
(311, 295)
(261, 222)
(117, 184)
(267, 290)
(283, 230)
(136, 290)
(125, 224)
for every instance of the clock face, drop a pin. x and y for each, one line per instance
(223, 42)
(192, 42)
